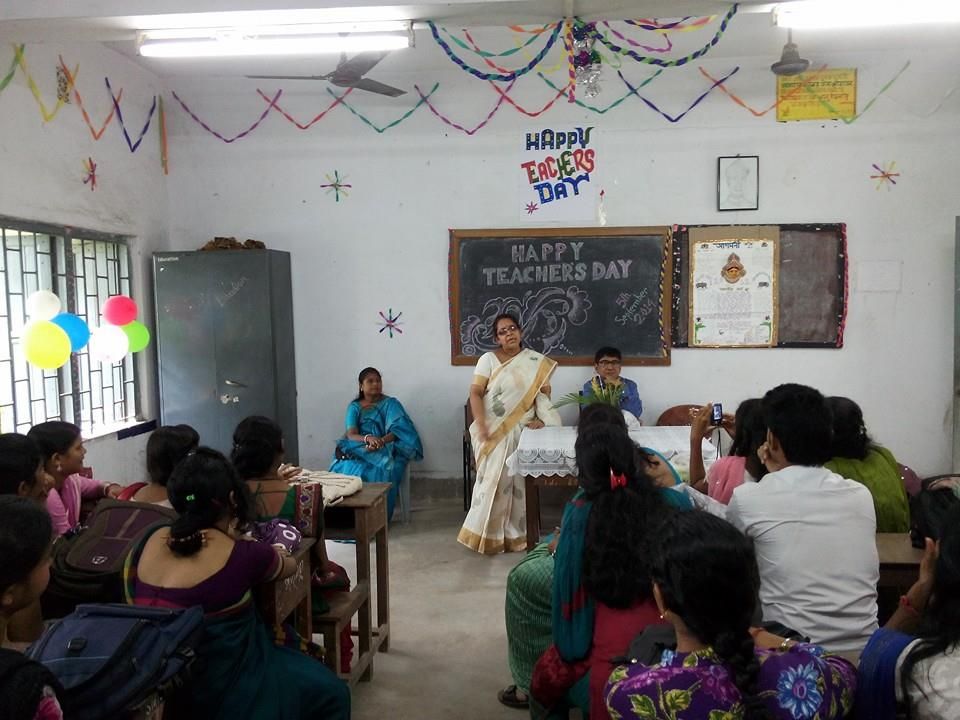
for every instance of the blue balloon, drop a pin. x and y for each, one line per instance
(75, 328)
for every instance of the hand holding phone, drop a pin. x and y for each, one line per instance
(716, 416)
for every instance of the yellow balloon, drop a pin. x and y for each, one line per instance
(46, 345)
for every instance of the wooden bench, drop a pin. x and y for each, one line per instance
(279, 599)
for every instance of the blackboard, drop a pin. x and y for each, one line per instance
(812, 283)
(574, 290)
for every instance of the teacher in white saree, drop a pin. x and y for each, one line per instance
(510, 391)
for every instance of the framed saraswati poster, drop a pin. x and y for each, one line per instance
(734, 293)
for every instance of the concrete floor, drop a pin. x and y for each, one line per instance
(448, 647)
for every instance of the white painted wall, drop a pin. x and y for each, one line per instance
(41, 179)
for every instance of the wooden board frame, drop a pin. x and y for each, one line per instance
(666, 284)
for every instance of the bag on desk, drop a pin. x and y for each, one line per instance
(930, 506)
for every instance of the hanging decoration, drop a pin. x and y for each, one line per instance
(484, 54)
(390, 323)
(45, 345)
(162, 128)
(673, 26)
(613, 47)
(507, 77)
(90, 173)
(75, 328)
(97, 134)
(678, 118)
(634, 43)
(881, 91)
(886, 175)
(336, 185)
(137, 334)
(369, 123)
(238, 136)
(585, 58)
(611, 106)
(5, 80)
(63, 86)
(808, 78)
(146, 126)
(316, 119)
(47, 115)
(457, 126)
(42, 305)
(108, 344)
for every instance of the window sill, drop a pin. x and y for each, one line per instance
(122, 430)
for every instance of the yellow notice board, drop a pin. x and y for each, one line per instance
(817, 95)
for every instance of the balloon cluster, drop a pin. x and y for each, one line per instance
(50, 335)
(586, 60)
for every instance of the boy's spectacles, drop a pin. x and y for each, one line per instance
(609, 363)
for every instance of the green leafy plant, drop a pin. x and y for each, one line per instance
(607, 394)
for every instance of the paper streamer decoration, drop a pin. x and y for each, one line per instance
(45, 344)
(75, 328)
(119, 310)
(677, 118)
(108, 344)
(615, 103)
(634, 43)
(162, 127)
(97, 134)
(138, 337)
(369, 123)
(505, 53)
(886, 175)
(90, 170)
(146, 126)
(238, 136)
(337, 186)
(760, 113)
(881, 91)
(391, 323)
(42, 305)
(675, 26)
(493, 76)
(5, 80)
(47, 115)
(316, 119)
(679, 61)
(457, 126)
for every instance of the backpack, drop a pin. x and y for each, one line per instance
(930, 506)
(112, 659)
(22, 683)
(87, 564)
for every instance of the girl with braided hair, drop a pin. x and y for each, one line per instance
(705, 583)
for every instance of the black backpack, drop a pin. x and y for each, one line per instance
(929, 508)
(87, 564)
(22, 681)
(112, 660)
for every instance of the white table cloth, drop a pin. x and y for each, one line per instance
(550, 450)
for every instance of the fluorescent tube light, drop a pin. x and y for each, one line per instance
(828, 14)
(281, 40)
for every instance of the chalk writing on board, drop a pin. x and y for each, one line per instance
(545, 316)
(235, 287)
(637, 307)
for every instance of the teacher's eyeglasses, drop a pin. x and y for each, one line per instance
(507, 330)
(609, 363)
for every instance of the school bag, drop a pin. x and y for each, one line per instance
(22, 683)
(87, 564)
(930, 506)
(113, 659)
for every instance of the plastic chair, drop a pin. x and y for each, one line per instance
(469, 463)
(679, 415)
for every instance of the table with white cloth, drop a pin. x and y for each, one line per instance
(546, 458)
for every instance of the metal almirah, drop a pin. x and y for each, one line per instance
(225, 341)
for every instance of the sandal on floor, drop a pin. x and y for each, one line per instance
(508, 696)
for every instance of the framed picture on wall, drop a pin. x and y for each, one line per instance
(738, 182)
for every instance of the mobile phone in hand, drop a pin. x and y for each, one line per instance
(716, 416)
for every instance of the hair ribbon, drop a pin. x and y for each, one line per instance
(617, 480)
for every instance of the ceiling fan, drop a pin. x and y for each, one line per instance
(349, 74)
(790, 62)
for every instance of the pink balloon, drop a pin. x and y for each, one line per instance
(120, 310)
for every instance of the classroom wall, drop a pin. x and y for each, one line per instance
(41, 179)
(385, 245)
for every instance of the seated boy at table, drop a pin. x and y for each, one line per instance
(607, 362)
(814, 531)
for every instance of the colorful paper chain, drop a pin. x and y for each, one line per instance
(316, 118)
(881, 91)
(47, 115)
(671, 63)
(786, 96)
(492, 76)
(162, 128)
(505, 53)
(634, 43)
(678, 118)
(675, 26)
(408, 113)
(13, 68)
(146, 126)
(611, 106)
(97, 134)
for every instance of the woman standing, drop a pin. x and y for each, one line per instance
(510, 391)
(380, 438)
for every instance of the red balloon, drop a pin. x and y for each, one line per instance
(120, 310)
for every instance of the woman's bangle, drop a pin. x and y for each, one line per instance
(365, 440)
(785, 645)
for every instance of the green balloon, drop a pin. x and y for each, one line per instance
(137, 334)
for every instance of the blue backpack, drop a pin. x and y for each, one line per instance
(112, 659)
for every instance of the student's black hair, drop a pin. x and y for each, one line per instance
(940, 625)
(707, 573)
(364, 374)
(167, 446)
(616, 546)
(798, 416)
(54, 436)
(597, 413)
(607, 351)
(257, 442)
(204, 489)
(850, 438)
(19, 459)
(750, 434)
(25, 535)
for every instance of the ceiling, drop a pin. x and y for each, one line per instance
(110, 22)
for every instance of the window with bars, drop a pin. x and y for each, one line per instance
(83, 269)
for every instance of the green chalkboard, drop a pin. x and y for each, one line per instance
(574, 290)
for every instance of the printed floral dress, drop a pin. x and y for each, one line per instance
(802, 683)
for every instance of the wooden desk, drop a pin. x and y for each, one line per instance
(278, 599)
(362, 517)
(899, 560)
(532, 485)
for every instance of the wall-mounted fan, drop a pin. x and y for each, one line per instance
(349, 74)
(790, 62)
